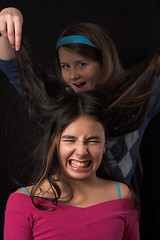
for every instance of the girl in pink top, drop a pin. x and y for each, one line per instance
(74, 195)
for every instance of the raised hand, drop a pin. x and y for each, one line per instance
(11, 22)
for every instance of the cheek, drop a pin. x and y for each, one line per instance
(65, 76)
(92, 75)
(97, 160)
(97, 154)
(64, 152)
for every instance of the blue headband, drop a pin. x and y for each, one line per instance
(73, 39)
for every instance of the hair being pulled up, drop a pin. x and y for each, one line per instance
(121, 105)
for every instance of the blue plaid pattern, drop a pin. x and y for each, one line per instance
(123, 152)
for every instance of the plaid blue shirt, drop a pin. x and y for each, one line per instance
(122, 151)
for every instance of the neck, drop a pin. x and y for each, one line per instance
(81, 188)
(84, 183)
(86, 193)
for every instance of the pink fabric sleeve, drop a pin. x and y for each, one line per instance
(17, 225)
(131, 230)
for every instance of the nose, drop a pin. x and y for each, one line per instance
(74, 75)
(81, 150)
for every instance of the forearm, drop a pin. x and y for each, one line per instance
(7, 62)
(9, 67)
(6, 50)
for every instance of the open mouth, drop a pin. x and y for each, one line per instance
(80, 164)
(79, 85)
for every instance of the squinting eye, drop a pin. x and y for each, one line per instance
(68, 140)
(94, 141)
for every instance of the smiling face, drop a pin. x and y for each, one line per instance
(81, 148)
(80, 73)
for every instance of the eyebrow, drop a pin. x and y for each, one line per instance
(69, 136)
(63, 63)
(77, 61)
(89, 138)
(94, 137)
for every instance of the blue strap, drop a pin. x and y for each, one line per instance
(118, 190)
(25, 190)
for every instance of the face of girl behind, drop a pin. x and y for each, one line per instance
(80, 73)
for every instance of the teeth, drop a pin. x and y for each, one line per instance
(79, 84)
(79, 164)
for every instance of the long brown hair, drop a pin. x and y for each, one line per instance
(124, 98)
(56, 118)
(130, 89)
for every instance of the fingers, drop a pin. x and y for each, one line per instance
(9, 32)
(3, 27)
(11, 21)
(18, 35)
(14, 32)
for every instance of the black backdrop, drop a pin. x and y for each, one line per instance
(135, 28)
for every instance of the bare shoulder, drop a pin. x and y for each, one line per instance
(41, 191)
(111, 189)
(22, 190)
(124, 189)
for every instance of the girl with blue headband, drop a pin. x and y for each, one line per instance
(86, 59)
